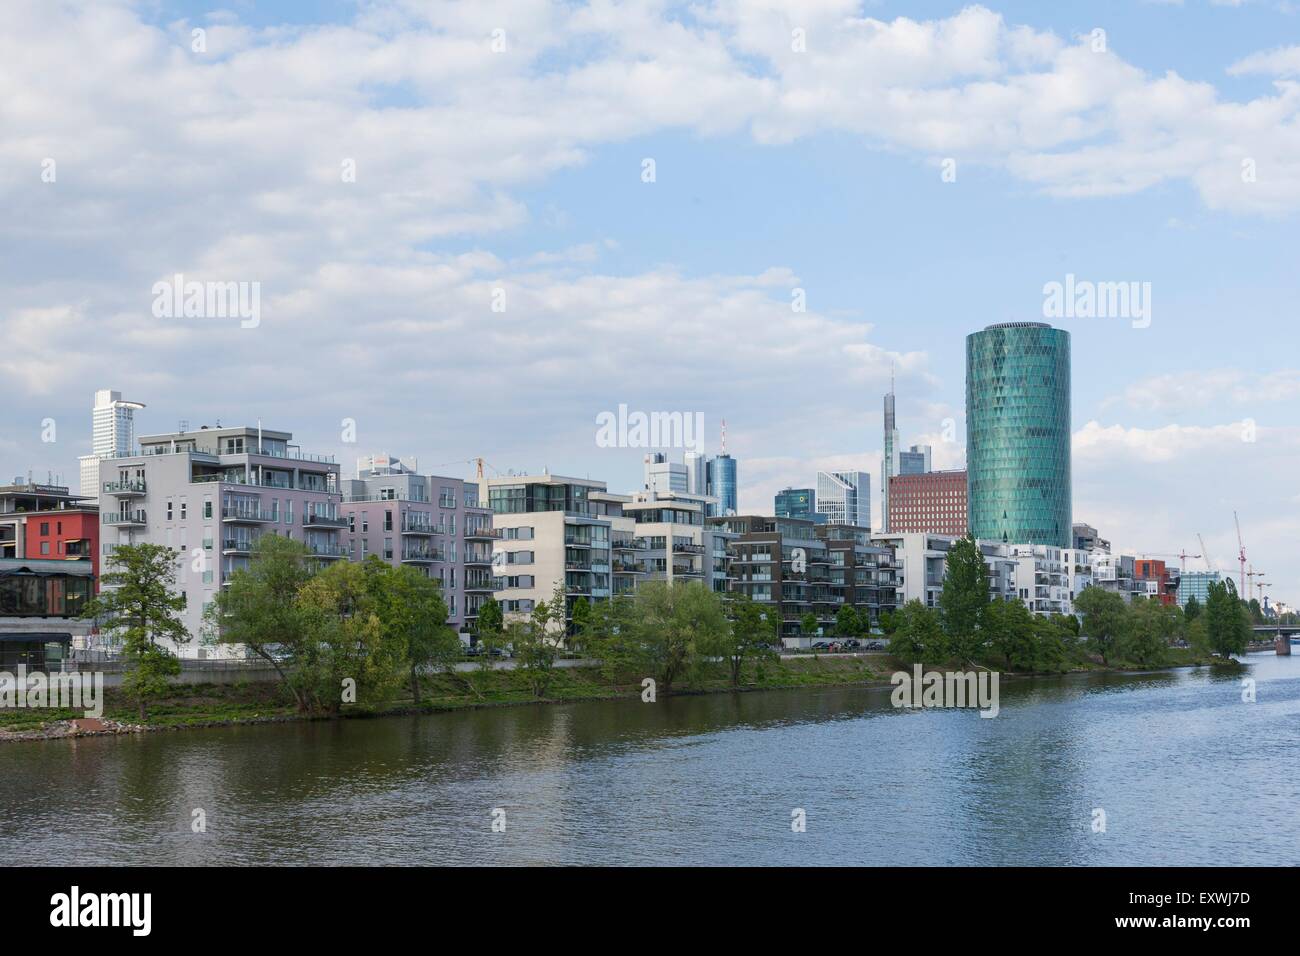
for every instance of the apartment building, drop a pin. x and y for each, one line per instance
(797, 567)
(679, 543)
(555, 531)
(433, 523)
(48, 522)
(921, 558)
(210, 494)
(1156, 580)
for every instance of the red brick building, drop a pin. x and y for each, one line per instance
(1157, 580)
(933, 502)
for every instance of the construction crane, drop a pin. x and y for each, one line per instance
(1241, 558)
(477, 462)
(1205, 552)
(1182, 557)
(1252, 573)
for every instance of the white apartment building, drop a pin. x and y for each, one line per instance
(552, 529)
(210, 494)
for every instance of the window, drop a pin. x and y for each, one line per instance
(207, 507)
(183, 507)
(169, 509)
(388, 521)
(45, 527)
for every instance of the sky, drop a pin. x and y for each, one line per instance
(459, 250)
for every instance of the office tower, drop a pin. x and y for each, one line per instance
(798, 503)
(722, 482)
(1018, 433)
(890, 463)
(844, 497)
(934, 502)
(915, 461)
(664, 475)
(112, 436)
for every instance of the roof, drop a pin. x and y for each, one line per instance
(45, 567)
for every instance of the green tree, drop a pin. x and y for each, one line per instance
(918, 636)
(1227, 622)
(808, 625)
(847, 622)
(1009, 628)
(611, 636)
(535, 652)
(260, 610)
(490, 618)
(139, 606)
(347, 648)
(1193, 609)
(581, 617)
(888, 622)
(965, 596)
(1149, 631)
(750, 636)
(411, 612)
(674, 626)
(1105, 617)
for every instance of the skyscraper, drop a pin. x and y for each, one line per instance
(845, 497)
(112, 435)
(798, 503)
(914, 461)
(890, 463)
(722, 482)
(1018, 433)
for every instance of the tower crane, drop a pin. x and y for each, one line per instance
(1241, 558)
(1205, 552)
(1182, 557)
(1252, 573)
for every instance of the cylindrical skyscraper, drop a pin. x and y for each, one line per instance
(1018, 433)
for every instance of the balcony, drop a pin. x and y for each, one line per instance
(423, 555)
(630, 545)
(330, 551)
(425, 528)
(132, 488)
(250, 514)
(238, 545)
(324, 521)
(482, 534)
(484, 560)
(688, 548)
(129, 519)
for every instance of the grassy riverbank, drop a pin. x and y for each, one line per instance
(206, 705)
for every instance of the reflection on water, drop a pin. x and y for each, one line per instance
(1185, 771)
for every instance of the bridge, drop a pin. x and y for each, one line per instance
(1280, 633)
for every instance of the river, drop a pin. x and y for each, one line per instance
(1184, 771)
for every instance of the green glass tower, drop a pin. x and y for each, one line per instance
(1018, 433)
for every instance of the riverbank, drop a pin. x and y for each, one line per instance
(217, 705)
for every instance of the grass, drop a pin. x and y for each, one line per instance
(214, 704)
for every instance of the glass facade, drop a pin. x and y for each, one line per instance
(1018, 433)
(722, 482)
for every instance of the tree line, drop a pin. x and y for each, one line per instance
(969, 628)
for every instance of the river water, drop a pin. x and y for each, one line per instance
(1184, 771)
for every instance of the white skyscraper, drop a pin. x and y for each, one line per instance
(112, 436)
(844, 497)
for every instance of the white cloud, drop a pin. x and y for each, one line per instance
(1181, 391)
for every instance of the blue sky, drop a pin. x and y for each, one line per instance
(522, 171)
